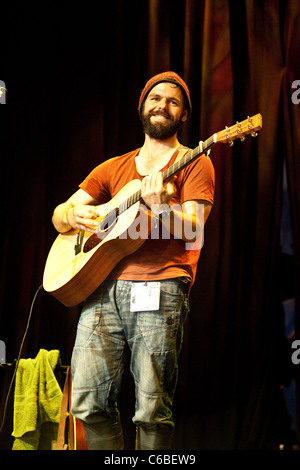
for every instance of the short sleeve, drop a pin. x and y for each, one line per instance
(198, 181)
(95, 184)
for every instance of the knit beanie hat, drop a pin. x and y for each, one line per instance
(171, 77)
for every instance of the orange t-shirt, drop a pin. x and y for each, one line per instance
(157, 258)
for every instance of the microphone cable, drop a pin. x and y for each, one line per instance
(19, 357)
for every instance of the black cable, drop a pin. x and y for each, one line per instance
(19, 357)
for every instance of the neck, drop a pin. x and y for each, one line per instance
(154, 148)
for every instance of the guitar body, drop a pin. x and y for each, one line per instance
(71, 277)
(80, 442)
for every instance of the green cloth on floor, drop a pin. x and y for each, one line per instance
(37, 402)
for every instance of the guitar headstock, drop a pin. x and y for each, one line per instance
(239, 130)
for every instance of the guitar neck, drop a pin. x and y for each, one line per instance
(174, 169)
(238, 131)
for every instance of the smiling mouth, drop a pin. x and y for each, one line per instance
(160, 115)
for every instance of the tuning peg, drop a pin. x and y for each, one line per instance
(253, 134)
(243, 138)
(227, 135)
(231, 143)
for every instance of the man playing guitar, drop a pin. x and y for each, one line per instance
(143, 302)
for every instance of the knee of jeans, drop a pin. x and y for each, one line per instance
(91, 407)
(153, 410)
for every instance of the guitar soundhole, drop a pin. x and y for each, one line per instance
(108, 221)
(92, 241)
(104, 226)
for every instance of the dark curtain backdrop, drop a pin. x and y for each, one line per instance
(74, 75)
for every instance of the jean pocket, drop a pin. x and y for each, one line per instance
(159, 328)
(89, 322)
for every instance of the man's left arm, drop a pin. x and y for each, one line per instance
(186, 222)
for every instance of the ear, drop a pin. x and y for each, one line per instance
(184, 115)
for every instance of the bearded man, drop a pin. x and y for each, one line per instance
(143, 303)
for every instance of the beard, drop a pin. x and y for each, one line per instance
(160, 130)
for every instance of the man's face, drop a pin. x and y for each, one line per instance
(163, 113)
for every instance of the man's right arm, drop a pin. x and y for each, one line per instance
(78, 212)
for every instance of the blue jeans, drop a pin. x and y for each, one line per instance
(154, 338)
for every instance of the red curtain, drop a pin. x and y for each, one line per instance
(73, 81)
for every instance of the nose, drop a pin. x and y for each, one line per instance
(163, 103)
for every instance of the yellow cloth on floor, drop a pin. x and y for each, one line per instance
(37, 402)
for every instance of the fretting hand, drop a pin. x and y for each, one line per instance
(155, 192)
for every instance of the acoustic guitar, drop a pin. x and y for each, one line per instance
(79, 261)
